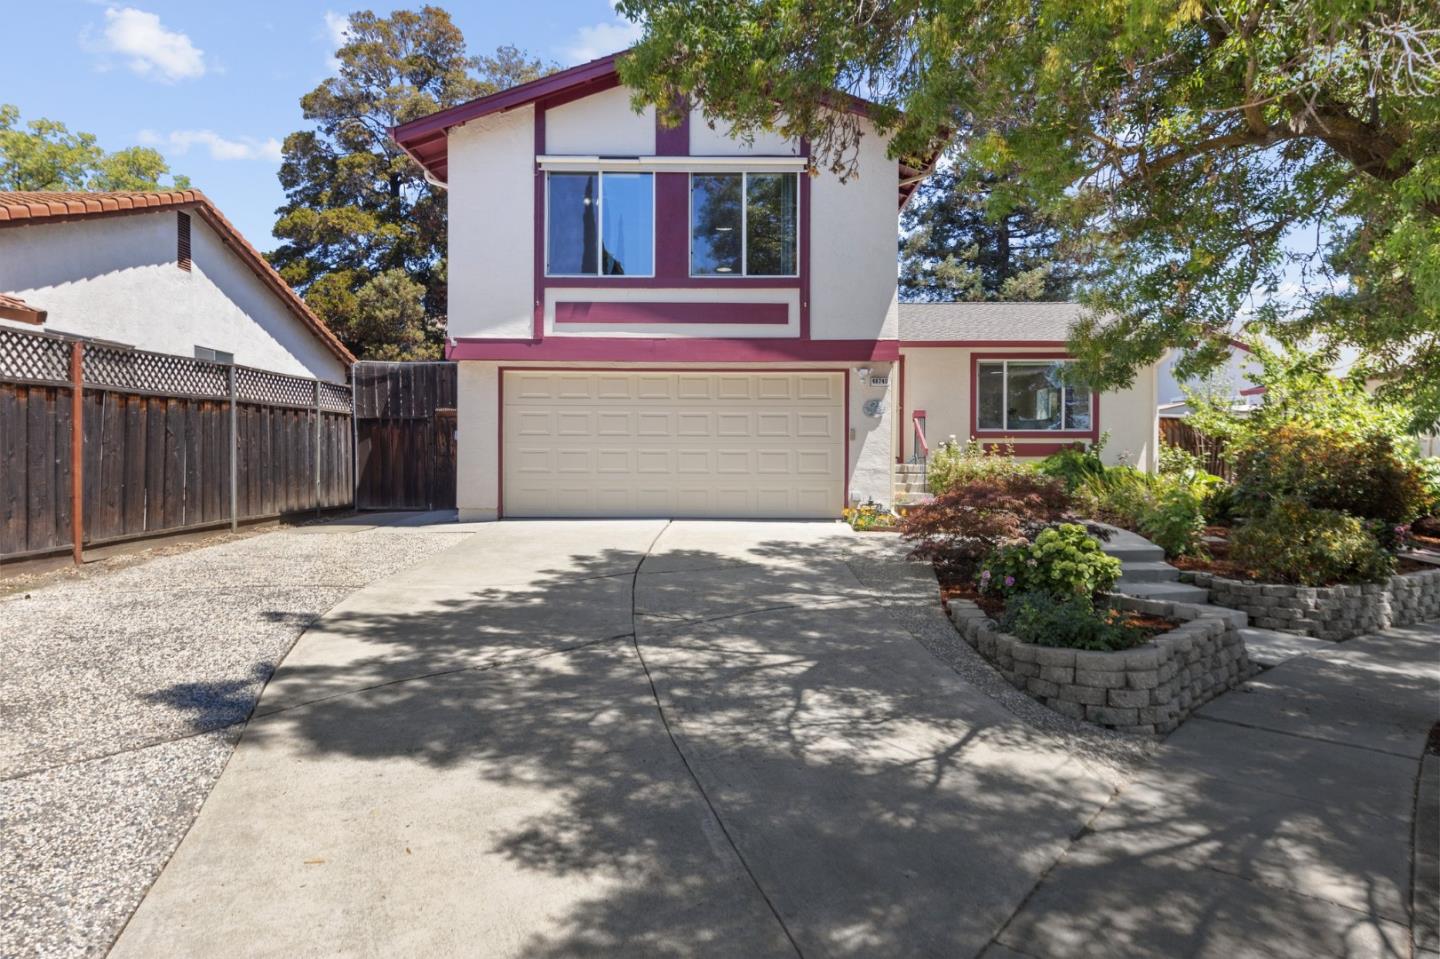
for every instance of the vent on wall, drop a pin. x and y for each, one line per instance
(182, 241)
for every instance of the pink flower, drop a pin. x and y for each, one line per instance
(985, 575)
(1009, 580)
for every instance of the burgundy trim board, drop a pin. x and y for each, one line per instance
(606, 349)
(700, 314)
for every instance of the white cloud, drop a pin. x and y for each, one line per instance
(147, 46)
(337, 31)
(221, 148)
(601, 39)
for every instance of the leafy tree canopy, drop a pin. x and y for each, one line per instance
(364, 233)
(962, 239)
(1201, 152)
(44, 155)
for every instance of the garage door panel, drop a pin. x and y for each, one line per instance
(615, 443)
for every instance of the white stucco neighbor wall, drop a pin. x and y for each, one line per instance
(492, 226)
(937, 380)
(477, 452)
(115, 278)
(602, 124)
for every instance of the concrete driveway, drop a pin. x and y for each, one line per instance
(630, 738)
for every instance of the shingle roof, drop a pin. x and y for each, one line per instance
(984, 322)
(14, 308)
(26, 208)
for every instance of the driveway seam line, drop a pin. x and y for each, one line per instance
(685, 761)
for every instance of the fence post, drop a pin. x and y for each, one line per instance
(234, 456)
(355, 437)
(77, 450)
(317, 448)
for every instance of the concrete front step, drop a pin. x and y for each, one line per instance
(1150, 571)
(911, 499)
(910, 488)
(1130, 548)
(1270, 647)
(1165, 592)
(909, 469)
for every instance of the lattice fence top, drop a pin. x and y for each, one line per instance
(33, 357)
(45, 358)
(154, 372)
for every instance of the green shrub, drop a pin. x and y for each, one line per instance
(955, 464)
(1221, 506)
(1296, 543)
(1175, 521)
(1430, 482)
(1070, 621)
(1064, 560)
(1361, 475)
(1178, 461)
(1075, 464)
(1166, 509)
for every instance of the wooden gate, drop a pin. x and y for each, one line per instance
(405, 435)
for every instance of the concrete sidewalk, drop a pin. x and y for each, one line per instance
(1276, 823)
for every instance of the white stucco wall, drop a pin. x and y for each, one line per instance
(937, 380)
(492, 227)
(1235, 375)
(116, 279)
(853, 224)
(603, 124)
(707, 140)
(853, 229)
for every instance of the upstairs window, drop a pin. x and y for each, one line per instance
(1029, 395)
(744, 224)
(600, 224)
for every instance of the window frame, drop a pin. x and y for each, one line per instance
(744, 273)
(1004, 359)
(599, 273)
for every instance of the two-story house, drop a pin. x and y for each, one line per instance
(657, 321)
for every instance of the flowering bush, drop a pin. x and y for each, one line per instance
(1063, 561)
(870, 516)
(1296, 543)
(967, 523)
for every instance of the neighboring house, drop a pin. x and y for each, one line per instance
(655, 321)
(1235, 377)
(160, 271)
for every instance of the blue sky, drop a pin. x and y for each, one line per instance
(216, 86)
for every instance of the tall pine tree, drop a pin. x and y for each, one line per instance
(964, 238)
(364, 232)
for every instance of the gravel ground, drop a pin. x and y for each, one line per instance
(121, 697)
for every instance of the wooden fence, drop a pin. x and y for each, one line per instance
(165, 444)
(405, 435)
(1176, 432)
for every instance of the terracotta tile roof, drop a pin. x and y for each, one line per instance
(24, 208)
(14, 308)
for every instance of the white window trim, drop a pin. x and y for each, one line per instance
(599, 273)
(744, 273)
(1005, 429)
(669, 164)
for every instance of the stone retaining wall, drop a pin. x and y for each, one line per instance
(1148, 689)
(1329, 612)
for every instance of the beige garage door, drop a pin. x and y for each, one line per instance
(595, 443)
